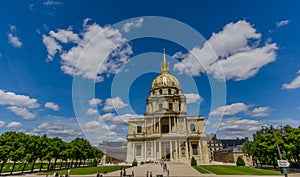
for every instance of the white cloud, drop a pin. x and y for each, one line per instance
(52, 106)
(95, 102)
(12, 99)
(92, 53)
(113, 103)
(294, 84)
(234, 52)
(193, 98)
(92, 111)
(2, 123)
(56, 129)
(239, 128)
(14, 125)
(232, 109)
(261, 111)
(51, 3)
(134, 24)
(179, 55)
(118, 119)
(14, 40)
(52, 47)
(282, 23)
(21, 111)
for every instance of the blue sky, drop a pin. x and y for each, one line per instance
(74, 68)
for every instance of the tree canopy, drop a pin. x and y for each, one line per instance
(20, 147)
(263, 147)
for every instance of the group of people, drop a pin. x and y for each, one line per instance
(57, 175)
(123, 172)
(165, 168)
(104, 172)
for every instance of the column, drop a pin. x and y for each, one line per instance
(200, 149)
(170, 127)
(159, 149)
(154, 150)
(145, 151)
(184, 120)
(133, 151)
(176, 124)
(159, 125)
(171, 150)
(153, 125)
(187, 149)
(176, 150)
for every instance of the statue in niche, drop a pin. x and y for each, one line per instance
(183, 151)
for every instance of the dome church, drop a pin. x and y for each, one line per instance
(166, 132)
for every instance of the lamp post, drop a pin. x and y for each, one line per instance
(273, 130)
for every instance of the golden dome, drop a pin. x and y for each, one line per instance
(165, 78)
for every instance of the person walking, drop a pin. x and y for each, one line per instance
(105, 170)
(150, 174)
(132, 174)
(147, 174)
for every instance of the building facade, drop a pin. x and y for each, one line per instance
(213, 145)
(166, 131)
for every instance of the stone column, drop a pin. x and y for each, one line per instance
(133, 150)
(154, 150)
(159, 146)
(184, 120)
(200, 149)
(170, 127)
(145, 150)
(187, 149)
(171, 150)
(176, 150)
(159, 125)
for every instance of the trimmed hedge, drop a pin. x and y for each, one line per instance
(240, 161)
(193, 162)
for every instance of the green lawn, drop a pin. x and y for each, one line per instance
(87, 170)
(237, 170)
(201, 170)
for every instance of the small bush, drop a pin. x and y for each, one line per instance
(94, 163)
(193, 162)
(240, 161)
(134, 163)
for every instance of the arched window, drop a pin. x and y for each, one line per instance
(160, 91)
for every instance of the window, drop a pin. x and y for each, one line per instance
(179, 107)
(160, 106)
(160, 91)
(169, 91)
(195, 149)
(170, 106)
(138, 150)
(192, 127)
(139, 129)
(165, 128)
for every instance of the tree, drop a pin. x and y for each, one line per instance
(263, 147)
(240, 161)
(193, 162)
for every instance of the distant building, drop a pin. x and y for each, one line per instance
(213, 145)
(233, 142)
(115, 152)
(230, 155)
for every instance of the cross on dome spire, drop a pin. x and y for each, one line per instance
(165, 65)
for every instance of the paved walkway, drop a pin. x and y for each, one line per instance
(175, 169)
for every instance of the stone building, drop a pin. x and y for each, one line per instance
(213, 145)
(166, 131)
